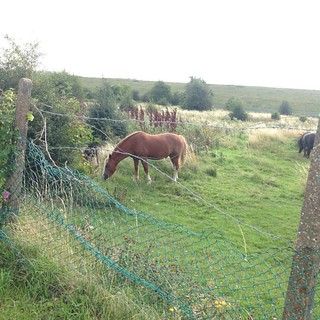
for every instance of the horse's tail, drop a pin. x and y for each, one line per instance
(185, 149)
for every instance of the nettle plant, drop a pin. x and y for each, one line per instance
(7, 135)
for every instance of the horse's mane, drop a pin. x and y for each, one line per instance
(126, 138)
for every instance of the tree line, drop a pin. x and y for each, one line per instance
(61, 93)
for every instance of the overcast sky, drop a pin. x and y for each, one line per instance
(273, 43)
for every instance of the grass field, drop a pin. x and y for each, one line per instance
(243, 189)
(255, 99)
(257, 178)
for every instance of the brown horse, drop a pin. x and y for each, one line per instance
(141, 146)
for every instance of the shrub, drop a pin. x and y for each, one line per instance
(106, 106)
(51, 87)
(7, 108)
(285, 108)
(303, 118)
(67, 131)
(198, 95)
(177, 98)
(17, 61)
(275, 116)
(212, 172)
(160, 93)
(238, 113)
(232, 103)
(136, 95)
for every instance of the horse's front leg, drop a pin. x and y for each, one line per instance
(136, 169)
(146, 169)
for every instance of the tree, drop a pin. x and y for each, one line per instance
(7, 109)
(177, 98)
(275, 116)
(238, 113)
(233, 103)
(50, 87)
(136, 95)
(198, 95)
(106, 107)
(17, 61)
(160, 93)
(285, 108)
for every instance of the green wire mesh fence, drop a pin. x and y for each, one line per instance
(198, 275)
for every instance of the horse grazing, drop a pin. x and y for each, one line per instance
(141, 146)
(306, 142)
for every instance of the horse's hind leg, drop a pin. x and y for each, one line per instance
(175, 163)
(146, 169)
(136, 169)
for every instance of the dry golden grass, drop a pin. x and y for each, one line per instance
(257, 138)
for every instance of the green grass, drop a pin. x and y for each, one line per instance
(261, 186)
(34, 285)
(260, 183)
(255, 99)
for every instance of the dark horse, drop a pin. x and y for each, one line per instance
(141, 146)
(306, 142)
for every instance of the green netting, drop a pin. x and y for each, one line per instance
(199, 275)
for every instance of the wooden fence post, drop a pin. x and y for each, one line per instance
(306, 260)
(14, 182)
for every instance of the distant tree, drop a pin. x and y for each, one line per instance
(285, 108)
(106, 106)
(123, 97)
(50, 87)
(146, 97)
(303, 118)
(275, 116)
(17, 61)
(177, 98)
(136, 95)
(160, 93)
(238, 113)
(198, 95)
(233, 103)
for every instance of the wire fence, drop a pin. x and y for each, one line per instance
(198, 275)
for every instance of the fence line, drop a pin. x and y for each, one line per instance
(208, 204)
(203, 124)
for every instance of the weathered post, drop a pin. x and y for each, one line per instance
(14, 182)
(306, 260)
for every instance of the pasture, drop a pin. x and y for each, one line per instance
(243, 189)
(255, 99)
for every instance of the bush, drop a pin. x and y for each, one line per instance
(51, 87)
(7, 109)
(106, 106)
(198, 95)
(160, 93)
(275, 116)
(212, 172)
(177, 98)
(232, 103)
(285, 108)
(303, 118)
(16, 62)
(136, 95)
(67, 131)
(239, 114)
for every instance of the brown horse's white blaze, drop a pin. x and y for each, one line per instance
(141, 146)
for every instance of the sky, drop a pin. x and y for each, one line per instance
(248, 42)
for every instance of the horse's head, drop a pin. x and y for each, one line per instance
(110, 167)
